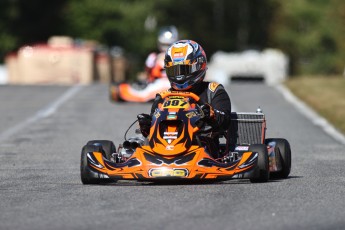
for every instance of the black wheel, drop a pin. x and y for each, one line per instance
(285, 155)
(108, 147)
(88, 176)
(263, 173)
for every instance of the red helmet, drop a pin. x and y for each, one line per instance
(185, 64)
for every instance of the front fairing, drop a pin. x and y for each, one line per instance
(172, 127)
(195, 164)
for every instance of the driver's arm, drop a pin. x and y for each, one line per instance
(221, 105)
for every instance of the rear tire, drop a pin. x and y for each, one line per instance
(262, 172)
(285, 156)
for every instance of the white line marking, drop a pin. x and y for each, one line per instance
(41, 114)
(311, 114)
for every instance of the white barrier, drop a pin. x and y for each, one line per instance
(270, 64)
(3, 75)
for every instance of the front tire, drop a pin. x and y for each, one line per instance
(108, 147)
(262, 172)
(87, 175)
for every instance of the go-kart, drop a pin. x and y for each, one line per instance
(142, 91)
(173, 150)
(137, 92)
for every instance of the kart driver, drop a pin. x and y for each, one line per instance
(154, 64)
(186, 64)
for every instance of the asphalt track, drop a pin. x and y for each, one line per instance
(42, 131)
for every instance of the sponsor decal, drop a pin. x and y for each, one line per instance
(157, 115)
(191, 114)
(166, 172)
(176, 97)
(172, 117)
(180, 92)
(170, 147)
(169, 136)
(178, 55)
(242, 148)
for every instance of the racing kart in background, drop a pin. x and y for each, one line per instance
(173, 150)
(157, 81)
(136, 92)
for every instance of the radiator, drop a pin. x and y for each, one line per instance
(247, 128)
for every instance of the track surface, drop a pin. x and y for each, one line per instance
(40, 184)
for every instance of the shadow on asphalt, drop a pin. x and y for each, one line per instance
(191, 183)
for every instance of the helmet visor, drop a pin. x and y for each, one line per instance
(178, 70)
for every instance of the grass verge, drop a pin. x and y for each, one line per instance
(325, 94)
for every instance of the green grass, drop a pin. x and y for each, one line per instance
(325, 94)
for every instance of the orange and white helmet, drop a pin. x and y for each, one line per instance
(185, 63)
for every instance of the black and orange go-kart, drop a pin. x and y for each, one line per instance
(135, 92)
(173, 150)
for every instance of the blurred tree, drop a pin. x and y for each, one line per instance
(228, 25)
(116, 22)
(112, 23)
(217, 24)
(311, 32)
(25, 22)
(8, 14)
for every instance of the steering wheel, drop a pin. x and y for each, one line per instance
(198, 102)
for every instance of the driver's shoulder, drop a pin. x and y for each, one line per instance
(212, 89)
(211, 86)
(214, 86)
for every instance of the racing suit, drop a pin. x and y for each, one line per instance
(154, 66)
(215, 95)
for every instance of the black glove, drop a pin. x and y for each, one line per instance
(144, 123)
(207, 119)
(208, 112)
